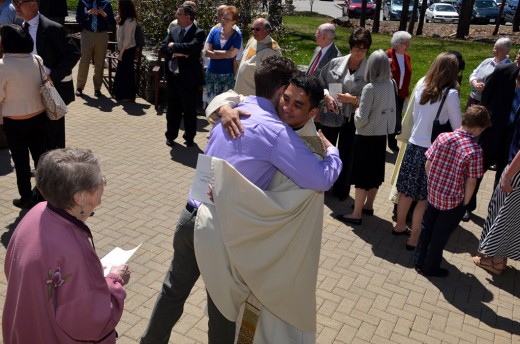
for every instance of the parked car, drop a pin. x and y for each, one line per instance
(509, 11)
(455, 3)
(352, 9)
(441, 12)
(393, 8)
(485, 12)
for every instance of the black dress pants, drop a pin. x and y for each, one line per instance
(23, 137)
(182, 104)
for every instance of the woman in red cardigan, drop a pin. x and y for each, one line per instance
(401, 73)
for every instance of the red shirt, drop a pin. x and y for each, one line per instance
(454, 157)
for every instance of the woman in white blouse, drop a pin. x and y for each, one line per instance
(124, 81)
(439, 82)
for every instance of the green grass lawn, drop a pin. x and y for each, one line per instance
(422, 51)
(72, 4)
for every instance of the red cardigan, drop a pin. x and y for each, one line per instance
(404, 91)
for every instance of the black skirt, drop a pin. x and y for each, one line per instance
(368, 171)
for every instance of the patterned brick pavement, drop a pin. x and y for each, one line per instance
(367, 290)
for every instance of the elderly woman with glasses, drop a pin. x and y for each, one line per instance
(56, 288)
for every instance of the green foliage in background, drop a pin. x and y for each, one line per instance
(300, 41)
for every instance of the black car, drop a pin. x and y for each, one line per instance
(485, 12)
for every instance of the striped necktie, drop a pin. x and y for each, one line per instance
(94, 17)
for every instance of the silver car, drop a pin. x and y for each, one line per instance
(443, 13)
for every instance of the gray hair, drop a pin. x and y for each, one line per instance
(328, 30)
(400, 37)
(378, 67)
(62, 173)
(504, 42)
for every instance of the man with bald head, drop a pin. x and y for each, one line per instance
(325, 51)
(260, 46)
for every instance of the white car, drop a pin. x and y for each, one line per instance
(440, 12)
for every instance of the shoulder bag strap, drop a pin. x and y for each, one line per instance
(42, 72)
(440, 106)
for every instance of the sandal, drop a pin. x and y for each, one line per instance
(487, 263)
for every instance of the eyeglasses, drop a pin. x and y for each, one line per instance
(227, 18)
(256, 29)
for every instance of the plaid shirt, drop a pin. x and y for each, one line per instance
(454, 157)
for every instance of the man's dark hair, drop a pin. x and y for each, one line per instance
(16, 40)
(312, 88)
(274, 72)
(189, 11)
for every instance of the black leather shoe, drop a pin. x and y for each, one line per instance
(467, 216)
(24, 203)
(98, 93)
(170, 143)
(436, 273)
(189, 142)
(348, 221)
(369, 212)
(79, 92)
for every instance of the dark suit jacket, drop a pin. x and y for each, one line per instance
(53, 8)
(497, 97)
(190, 68)
(333, 52)
(59, 53)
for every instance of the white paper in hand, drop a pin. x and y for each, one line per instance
(117, 257)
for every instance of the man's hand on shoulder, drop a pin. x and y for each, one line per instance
(326, 143)
(231, 120)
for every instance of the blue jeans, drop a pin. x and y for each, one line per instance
(436, 227)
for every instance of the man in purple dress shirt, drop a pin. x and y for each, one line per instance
(268, 145)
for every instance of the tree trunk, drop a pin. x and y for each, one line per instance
(421, 18)
(411, 24)
(275, 13)
(362, 19)
(466, 12)
(404, 15)
(499, 18)
(516, 20)
(377, 15)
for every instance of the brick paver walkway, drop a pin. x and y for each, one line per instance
(367, 292)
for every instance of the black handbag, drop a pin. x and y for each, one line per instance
(330, 118)
(439, 128)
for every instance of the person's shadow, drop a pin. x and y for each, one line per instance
(5, 162)
(466, 293)
(6, 236)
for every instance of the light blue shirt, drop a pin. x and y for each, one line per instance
(8, 14)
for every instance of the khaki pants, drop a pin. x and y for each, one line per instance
(93, 47)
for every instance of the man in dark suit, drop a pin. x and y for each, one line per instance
(59, 53)
(56, 12)
(184, 75)
(498, 97)
(326, 49)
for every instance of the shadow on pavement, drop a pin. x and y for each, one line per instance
(6, 237)
(465, 292)
(5, 162)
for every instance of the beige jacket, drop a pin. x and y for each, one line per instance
(20, 85)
